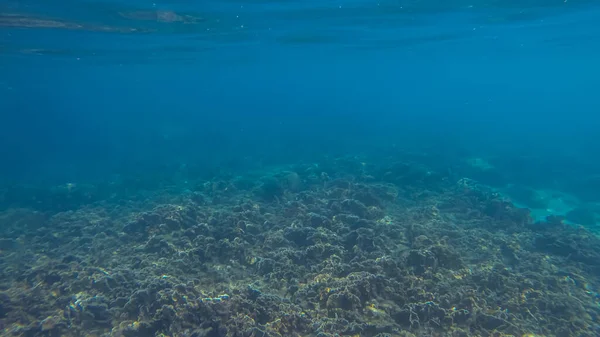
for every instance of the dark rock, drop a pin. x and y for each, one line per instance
(299, 235)
(5, 305)
(317, 220)
(270, 189)
(8, 244)
(583, 216)
(355, 207)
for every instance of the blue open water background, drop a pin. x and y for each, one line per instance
(91, 90)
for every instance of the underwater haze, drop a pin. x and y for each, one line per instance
(300, 168)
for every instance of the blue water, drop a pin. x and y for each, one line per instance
(177, 81)
(89, 89)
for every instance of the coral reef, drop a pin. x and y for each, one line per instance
(344, 248)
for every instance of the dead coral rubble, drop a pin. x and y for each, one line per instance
(352, 250)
